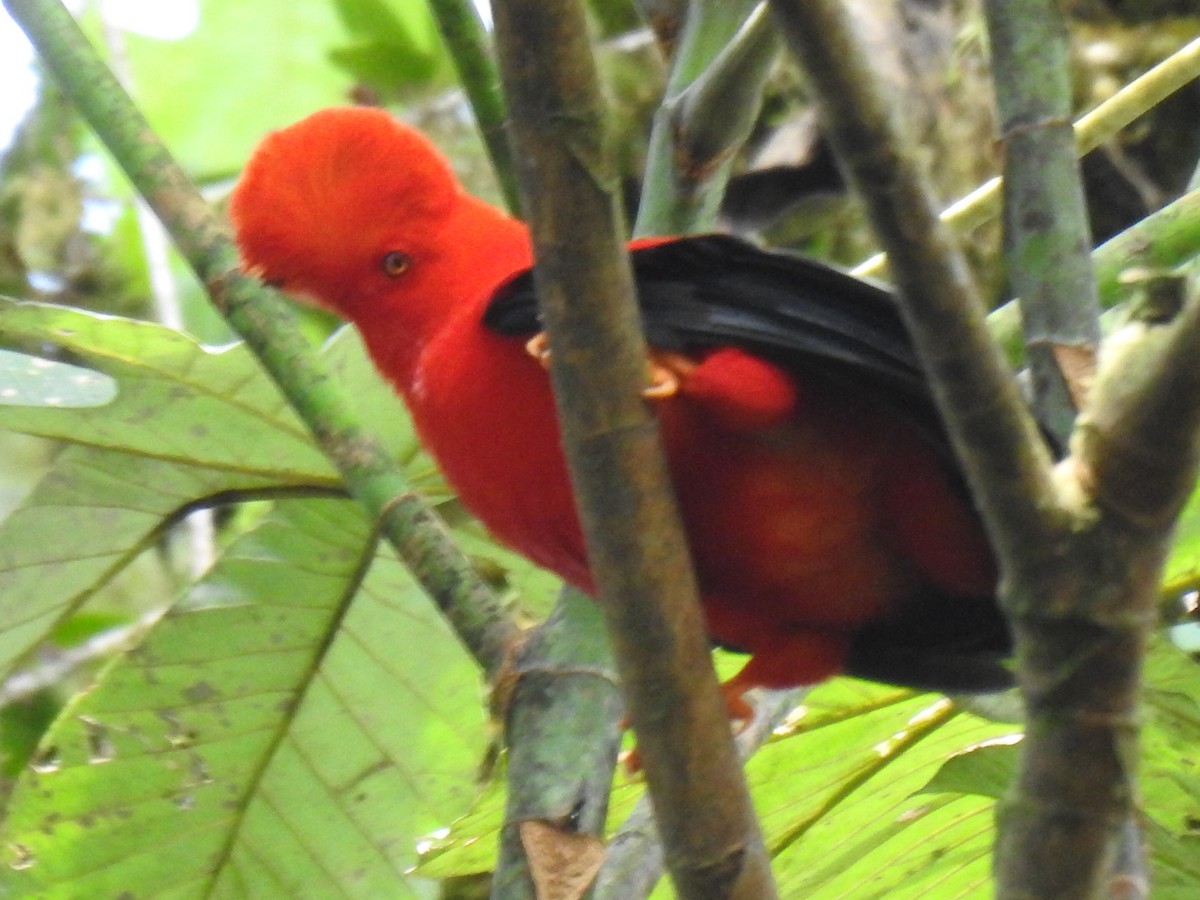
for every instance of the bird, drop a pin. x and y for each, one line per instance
(829, 523)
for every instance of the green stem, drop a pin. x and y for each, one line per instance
(562, 736)
(467, 40)
(1046, 233)
(1165, 240)
(680, 195)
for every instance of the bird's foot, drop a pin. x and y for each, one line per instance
(538, 347)
(664, 368)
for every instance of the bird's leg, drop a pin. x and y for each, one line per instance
(665, 369)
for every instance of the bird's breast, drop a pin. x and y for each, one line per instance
(485, 411)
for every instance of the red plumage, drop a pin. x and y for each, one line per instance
(829, 529)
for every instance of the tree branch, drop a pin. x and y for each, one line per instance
(267, 322)
(631, 526)
(1046, 234)
(635, 855)
(1047, 242)
(465, 37)
(562, 734)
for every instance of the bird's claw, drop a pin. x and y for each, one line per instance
(538, 347)
(663, 382)
(664, 368)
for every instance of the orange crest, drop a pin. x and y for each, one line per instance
(322, 201)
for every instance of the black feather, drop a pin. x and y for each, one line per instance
(710, 291)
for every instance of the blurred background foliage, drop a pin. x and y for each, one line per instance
(71, 233)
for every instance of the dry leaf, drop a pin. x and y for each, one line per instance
(1077, 362)
(563, 863)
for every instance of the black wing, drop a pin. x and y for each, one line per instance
(710, 291)
(714, 290)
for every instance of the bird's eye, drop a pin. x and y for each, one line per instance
(395, 263)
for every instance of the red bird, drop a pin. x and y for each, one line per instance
(830, 528)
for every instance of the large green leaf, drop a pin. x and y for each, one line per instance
(836, 796)
(291, 730)
(892, 795)
(88, 518)
(1171, 742)
(187, 423)
(878, 792)
(32, 381)
(177, 400)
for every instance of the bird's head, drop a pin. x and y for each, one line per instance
(343, 207)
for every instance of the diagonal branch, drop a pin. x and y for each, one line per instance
(1091, 129)
(994, 435)
(267, 322)
(1138, 445)
(1163, 240)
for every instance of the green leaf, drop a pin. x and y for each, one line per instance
(394, 43)
(177, 400)
(247, 68)
(291, 730)
(33, 381)
(188, 424)
(1170, 766)
(88, 518)
(1182, 569)
(985, 770)
(22, 723)
(839, 802)
(382, 65)
(1176, 874)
